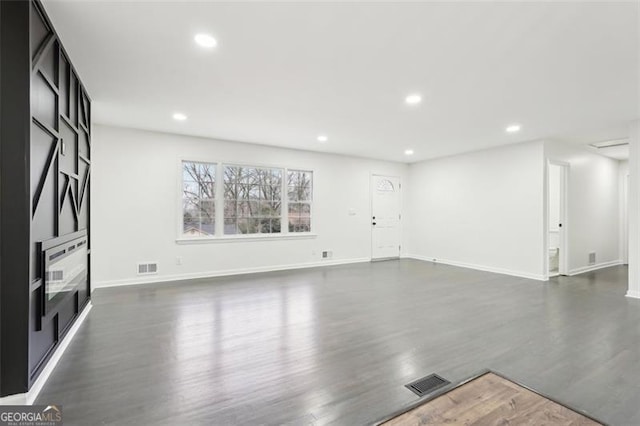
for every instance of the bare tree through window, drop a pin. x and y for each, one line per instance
(198, 199)
(299, 190)
(252, 200)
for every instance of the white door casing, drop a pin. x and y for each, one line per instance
(563, 217)
(385, 217)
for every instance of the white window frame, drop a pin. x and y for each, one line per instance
(219, 236)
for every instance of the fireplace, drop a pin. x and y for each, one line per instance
(65, 268)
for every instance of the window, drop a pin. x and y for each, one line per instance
(227, 200)
(198, 199)
(252, 200)
(385, 185)
(299, 190)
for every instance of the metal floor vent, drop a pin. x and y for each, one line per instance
(427, 384)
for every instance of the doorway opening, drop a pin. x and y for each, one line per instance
(556, 254)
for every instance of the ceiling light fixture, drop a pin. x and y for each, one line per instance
(205, 40)
(413, 99)
(408, 152)
(323, 138)
(610, 144)
(179, 116)
(513, 128)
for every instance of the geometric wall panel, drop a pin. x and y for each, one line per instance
(49, 64)
(44, 101)
(39, 30)
(60, 180)
(64, 85)
(68, 149)
(43, 146)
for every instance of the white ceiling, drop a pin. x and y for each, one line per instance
(284, 72)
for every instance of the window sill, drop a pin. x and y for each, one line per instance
(238, 238)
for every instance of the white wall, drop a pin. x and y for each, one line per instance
(135, 207)
(623, 188)
(593, 205)
(483, 210)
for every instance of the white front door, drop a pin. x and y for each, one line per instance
(385, 217)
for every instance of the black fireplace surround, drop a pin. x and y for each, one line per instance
(45, 181)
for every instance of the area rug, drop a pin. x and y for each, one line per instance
(488, 399)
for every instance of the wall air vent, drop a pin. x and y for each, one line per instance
(147, 268)
(592, 258)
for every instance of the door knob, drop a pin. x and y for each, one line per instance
(373, 223)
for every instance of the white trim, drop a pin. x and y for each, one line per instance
(538, 277)
(248, 237)
(224, 273)
(590, 268)
(28, 398)
(633, 294)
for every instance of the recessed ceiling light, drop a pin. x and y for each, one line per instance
(413, 99)
(513, 128)
(408, 152)
(179, 116)
(205, 40)
(323, 138)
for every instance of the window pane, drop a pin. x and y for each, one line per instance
(231, 174)
(265, 226)
(190, 190)
(299, 217)
(304, 225)
(305, 192)
(254, 192)
(275, 193)
(294, 209)
(242, 192)
(198, 199)
(299, 185)
(248, 208)
(247, 175)
(230, 191)
(230, 226)
(269, 209)
(189, 220)
(258, 192)
(248, 226)
(230, 208)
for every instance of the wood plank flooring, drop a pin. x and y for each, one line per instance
(336, 345)
(491, 400)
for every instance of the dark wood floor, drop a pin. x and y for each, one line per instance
(338, 344)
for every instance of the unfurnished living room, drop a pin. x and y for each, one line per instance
(319, 212)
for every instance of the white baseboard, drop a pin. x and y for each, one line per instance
(28, 398)
(538, 277)
(590, 268)
(212, 274)
(633, 294)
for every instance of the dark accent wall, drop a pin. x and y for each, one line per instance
(45, 155)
